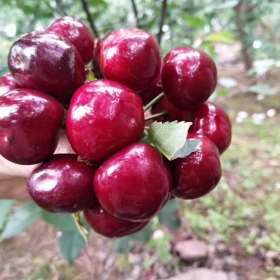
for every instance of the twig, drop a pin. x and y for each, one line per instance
(89, 17)
(153, 101)
(135, 12)
(162, 19)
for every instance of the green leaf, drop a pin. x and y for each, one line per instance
(21, 219)
(71, 243)
(194, 21)
(143, 235)
(122, 245)
(170, 138)
(5, 207)
(168, 215)
(222, 36)
(63, 222)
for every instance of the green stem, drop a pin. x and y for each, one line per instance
(153, 101)
(82, 230)
(156, 115)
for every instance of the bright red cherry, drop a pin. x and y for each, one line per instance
(198, 173)
(7, 83)
(131, 57)
(75, 32)
(29, 125)
(173, 113)
(133, 184)
(189, 77)
(62, 184)
(103, 117)
(213, 122)
(46, 62)
(109, 226)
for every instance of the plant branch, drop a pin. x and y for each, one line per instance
(89, 17)
(135, 12)
(162, 19)
(153, 101)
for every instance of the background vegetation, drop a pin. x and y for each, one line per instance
(239, 221)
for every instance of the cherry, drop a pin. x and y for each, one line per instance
(29, 125)
(189, 77)
(131, 57)
(75, 32)
(7, 83)
(62, 184)
(198, 173)
(150, 93)
(103, 117)
(110, 226)
(133, 184)
(48, 63)
(213, 122)
(173, 113)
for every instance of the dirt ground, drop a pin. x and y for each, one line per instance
(239, 221)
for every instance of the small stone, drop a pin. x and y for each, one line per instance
(202, 274)
(191, 250)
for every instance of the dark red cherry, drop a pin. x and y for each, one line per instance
(213, 122)
(198, 173)
(29, 125)
(133, 184)
(7, 83)
(62, 184)
(75, 32)
(189, 77)
(46, 62)
(103, 117)
(131, 57)
(150, 93)
(173, 113)
(109, 226)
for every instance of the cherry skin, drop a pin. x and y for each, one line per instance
(131, 57)
(109, 226)
(103, 117)
(150, 93)
(46, 62)
(75, 32)
(213, 122)
(198, 173)
(173, 113)
(7, 83)
(29, 125)
(62, 184)
(133, 184)
(189, 77)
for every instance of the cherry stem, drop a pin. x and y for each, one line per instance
(82, 230)
(153, 101)
(156, 115)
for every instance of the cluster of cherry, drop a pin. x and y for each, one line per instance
(118, 180)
